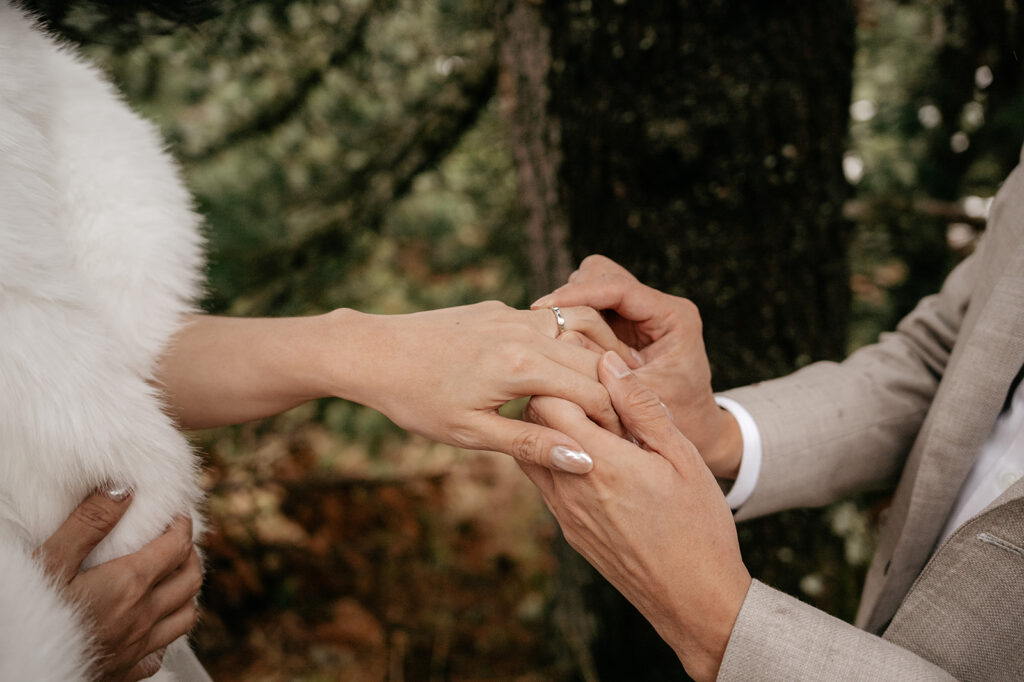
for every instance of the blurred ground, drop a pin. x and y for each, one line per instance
(422, 563)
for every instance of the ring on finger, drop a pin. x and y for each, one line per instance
(559, 319)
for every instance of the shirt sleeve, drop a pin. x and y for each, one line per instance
(750, 462)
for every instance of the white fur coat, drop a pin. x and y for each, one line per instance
(100, 259)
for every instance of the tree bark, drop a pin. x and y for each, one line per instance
(525, 99)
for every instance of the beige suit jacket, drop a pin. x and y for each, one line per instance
(910, 411)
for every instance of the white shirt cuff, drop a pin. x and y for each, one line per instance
(750, 463)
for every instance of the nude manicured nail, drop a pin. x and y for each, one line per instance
(636, 356)
(671, 417)
(616, 365)
(542, 302)
(118, 494)
(573, 461)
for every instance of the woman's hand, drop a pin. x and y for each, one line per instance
(445, 373)
(137, 604)
(651, 519)
(668, 332)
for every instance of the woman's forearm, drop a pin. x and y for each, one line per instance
(221, 370)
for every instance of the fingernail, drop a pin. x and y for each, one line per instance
(542, 302)
(636, 356)
(633, 439)
(668, 412)
(616, 364)
(573, 461)
(118, 494)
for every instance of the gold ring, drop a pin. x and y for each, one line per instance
(559, 319)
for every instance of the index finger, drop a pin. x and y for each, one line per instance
(588, 322)
(63, 552)
(645, 415)
(628, 297)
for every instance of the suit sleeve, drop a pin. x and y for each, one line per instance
(833, 429)
(777, 637)
(41, 636)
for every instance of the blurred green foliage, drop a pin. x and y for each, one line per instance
(936, 124)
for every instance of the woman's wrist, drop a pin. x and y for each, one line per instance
(219, 370)
(354, 355)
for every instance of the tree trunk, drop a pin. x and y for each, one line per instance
(525, 98)
(699, 144)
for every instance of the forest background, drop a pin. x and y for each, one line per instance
(804, 171)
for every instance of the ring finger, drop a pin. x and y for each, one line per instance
(589, 323)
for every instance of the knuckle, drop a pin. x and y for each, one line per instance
(572, 337)
(526, 445)
(643, 400)
(690, 312)
(465, 436)
(539, 409)
(594, 260)
(571, 538)
(519, 360)
(183, 549)
(602, 405)
(151, 664)
(531, 413)
(136, 585)
(195, 584)
(492, 307)
(96, 516)
(587, 317)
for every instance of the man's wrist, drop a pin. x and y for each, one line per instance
(700, 641)
(725, 452)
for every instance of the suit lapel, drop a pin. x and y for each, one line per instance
(988, 355)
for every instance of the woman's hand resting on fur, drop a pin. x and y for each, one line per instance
(137, 604)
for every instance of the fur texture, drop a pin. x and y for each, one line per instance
(100, 256)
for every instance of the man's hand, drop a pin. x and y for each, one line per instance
(652, 520)
(139, 603)
(667, 331)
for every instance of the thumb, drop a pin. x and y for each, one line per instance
(63, 552)
(643, 413)
(536, 444)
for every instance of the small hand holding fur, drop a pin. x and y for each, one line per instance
(137, 604)
(667, 331)
(651, 519)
